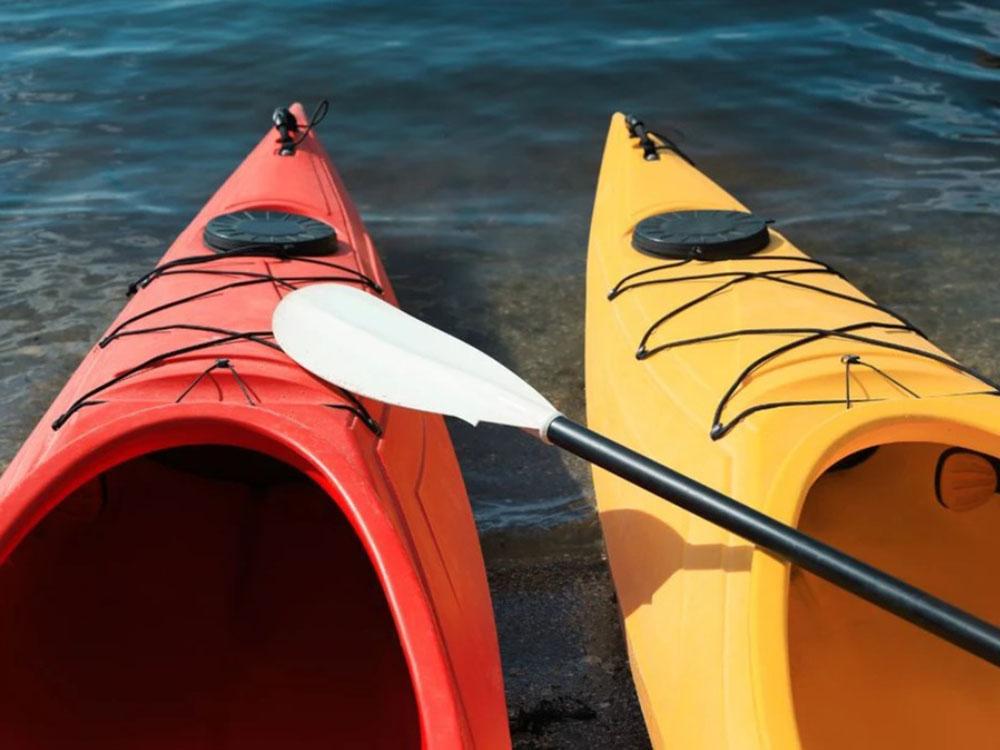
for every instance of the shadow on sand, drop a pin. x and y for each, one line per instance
(649, 572)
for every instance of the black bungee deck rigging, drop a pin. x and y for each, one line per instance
(226, 336)
(808, 335)
(264, 234)
(691, 248)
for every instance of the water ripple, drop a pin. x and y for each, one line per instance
(470, 136)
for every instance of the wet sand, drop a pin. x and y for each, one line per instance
(566, 673)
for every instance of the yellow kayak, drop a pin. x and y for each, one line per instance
(718, 348)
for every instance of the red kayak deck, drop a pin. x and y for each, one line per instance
(214, 549)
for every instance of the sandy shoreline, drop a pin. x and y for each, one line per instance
(565, 667)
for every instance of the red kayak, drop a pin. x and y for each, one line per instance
(206, 547)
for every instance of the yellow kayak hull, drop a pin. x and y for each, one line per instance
(728, 647)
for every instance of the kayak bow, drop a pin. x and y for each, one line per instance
(205, 546)
(716, 347)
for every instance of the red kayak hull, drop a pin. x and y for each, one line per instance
(220, 550)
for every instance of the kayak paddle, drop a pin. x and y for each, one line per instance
(354, 340)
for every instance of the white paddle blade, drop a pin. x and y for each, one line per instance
(357, 341)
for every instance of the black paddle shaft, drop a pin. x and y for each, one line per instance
(889, 593)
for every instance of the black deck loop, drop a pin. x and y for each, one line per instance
(261, 251)
(650, 148)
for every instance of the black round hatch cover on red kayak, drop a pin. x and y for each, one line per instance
(295, 233)
(710, 235)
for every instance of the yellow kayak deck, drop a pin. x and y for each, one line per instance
(771, 378)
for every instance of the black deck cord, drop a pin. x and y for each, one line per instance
(285, 281)
(622, 286)
(650, 149)
(257, 279)
(85, 399)
(252, 251)
(777, 331)
(318, 115)
(739, 275)
(855, 359)
(643, 352)
(257, 337)
(358, 410)
(848, 360)
(720, 429)
(173, 327)
(219, 364)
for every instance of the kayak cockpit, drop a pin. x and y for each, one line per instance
(201, 597)
(929, 514)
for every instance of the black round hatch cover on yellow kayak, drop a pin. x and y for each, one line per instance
(712, 235)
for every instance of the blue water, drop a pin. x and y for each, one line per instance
(470, 138)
